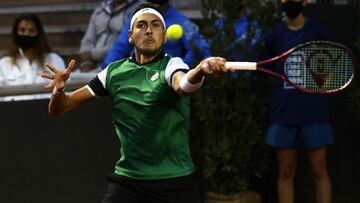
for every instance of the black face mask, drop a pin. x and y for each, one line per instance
(292, 8)
(25, 41)
(159, 2)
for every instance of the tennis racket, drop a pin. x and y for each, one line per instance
(316, 67)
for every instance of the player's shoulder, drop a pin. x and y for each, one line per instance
(167, 58)
(116, 64)
(173, 60)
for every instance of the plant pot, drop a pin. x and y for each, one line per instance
(242, 197)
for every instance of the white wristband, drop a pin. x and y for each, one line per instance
(187, 87)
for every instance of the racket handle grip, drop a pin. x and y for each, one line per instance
(241, 65)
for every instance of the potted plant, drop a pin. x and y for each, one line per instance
(230, 112)
(231, 115)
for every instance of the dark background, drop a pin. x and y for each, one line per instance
(55, 159)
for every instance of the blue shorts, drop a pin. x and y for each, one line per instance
(290, 136)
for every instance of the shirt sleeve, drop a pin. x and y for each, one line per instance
(97, 86)
(174, 65)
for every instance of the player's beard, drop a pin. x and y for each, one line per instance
(149, 51)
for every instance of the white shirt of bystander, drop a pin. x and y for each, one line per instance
(24, 72)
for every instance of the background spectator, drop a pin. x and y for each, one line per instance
(27, 56)
(105, 24)
(298, 117)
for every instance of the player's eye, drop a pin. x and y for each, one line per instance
(156, 24)
(140, 25)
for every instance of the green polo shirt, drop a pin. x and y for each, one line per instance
(150, 118)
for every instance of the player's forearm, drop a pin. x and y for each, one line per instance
(61, 103)
(195, 75)
(188, 83)
(57, 104)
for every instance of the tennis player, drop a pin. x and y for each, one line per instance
(150, 114)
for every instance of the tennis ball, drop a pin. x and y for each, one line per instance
(174, 32)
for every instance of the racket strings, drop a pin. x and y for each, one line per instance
(322, 67)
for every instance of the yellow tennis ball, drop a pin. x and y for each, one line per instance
(174, 32)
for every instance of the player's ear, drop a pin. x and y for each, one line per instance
(166, 38)
(131, 41)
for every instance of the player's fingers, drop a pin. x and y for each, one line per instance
(218, 65)
(229, 69)
(50, 85)
(212, 65)
(223, 68)
(206, 67)
(221, 61)
(52, 68)
(70, 66)
(47, 75)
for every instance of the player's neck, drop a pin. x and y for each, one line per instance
(295, 23)
(142, 59)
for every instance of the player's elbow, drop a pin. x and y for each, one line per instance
(55, 113)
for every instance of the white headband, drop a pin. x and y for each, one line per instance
(146, 10)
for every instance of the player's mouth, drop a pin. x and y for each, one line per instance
(149, 39)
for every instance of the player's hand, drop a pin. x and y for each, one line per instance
(214, 65)
(58, 77)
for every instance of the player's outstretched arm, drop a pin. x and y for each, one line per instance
(188, 83)
(59, 101)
